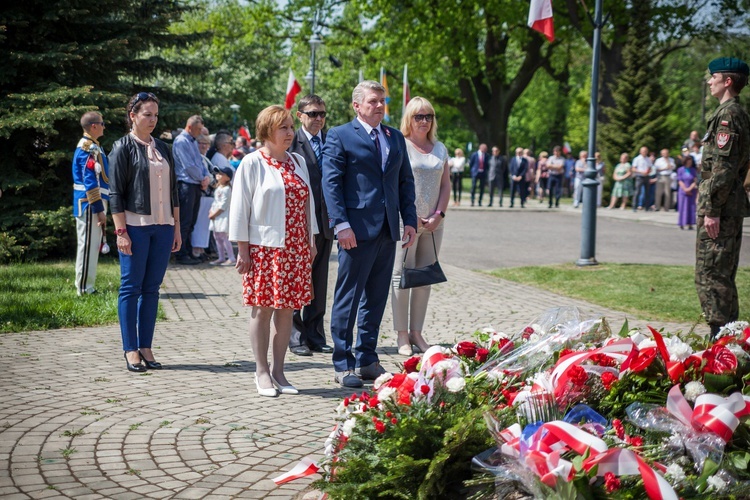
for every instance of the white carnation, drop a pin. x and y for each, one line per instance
(386, 393)
(533, 338)
(348, 427)
(734, 328)
(678, 350)
(455, 384)
(715, 483)
(693, 390)
(495, 376)
(675, 473)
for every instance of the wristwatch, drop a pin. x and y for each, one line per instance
(442, 214)
(121, 231)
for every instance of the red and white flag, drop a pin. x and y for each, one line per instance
(540, 18)
(407, 95)
(292, 89)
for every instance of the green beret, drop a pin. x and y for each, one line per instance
(728, 65)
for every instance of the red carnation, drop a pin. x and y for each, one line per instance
(374, 401)
(346, 401)
(380, 427)
(578, 375)
(611, 482)
(410, 365)
(565, 352)
(608, 380)
(425, 389)
(636, 441)
(482, 354)
(618, 427)
(388, 414)
(603, 360)
(394, 421)
(466, 349)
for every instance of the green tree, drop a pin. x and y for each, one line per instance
(58, 59)
(640, 104)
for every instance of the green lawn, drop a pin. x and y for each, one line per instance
(42, 296)
(665, 293)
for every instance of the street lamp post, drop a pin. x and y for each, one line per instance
(314, 42)
(235, 116)
(590, 183)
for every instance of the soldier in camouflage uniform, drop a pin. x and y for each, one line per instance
(722, 201)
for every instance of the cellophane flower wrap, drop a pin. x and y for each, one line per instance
(573, 411)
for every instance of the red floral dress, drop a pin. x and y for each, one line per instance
(281, 277)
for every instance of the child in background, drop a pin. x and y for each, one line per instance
(219, 216)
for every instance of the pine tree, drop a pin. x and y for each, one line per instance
(638, 117)
(58, 59)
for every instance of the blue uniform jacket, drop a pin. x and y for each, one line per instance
(90, 177)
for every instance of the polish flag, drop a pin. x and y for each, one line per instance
(292, 89)
(244, 132)
(540, 18)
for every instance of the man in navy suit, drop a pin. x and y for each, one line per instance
(518, 167)
(308, 332)
(367, 183)
(478, 166)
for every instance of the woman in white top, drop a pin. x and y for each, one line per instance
(271, 217)
(432, 185)
(457, 164)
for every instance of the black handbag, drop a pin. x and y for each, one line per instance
(422, 276)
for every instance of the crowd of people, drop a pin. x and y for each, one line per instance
(648, 183)
(382, 193)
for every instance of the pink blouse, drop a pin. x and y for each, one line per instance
(159, 179)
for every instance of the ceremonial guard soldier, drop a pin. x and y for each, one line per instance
(90, 198)
(722, 201)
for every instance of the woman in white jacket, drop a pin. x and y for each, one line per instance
(271, 219)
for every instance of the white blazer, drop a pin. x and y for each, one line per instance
(258, 212)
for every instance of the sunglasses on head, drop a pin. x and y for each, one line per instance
(424, 118)
(142, 96)
(314, 114)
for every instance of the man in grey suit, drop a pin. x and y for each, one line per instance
(308, 333)
(497, 175)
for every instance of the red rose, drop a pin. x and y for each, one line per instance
(394, 421)
(608, 379)
(719, 360)
(466, 349)
(410, 365)
(482, 354)
(388, 414)
(577, 375)
(346, 401)
(611, 482)
(504, 345)
(528, 330)
(645, 358)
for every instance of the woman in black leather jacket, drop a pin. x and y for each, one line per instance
(145, 209)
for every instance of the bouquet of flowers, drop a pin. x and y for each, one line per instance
(573, 411)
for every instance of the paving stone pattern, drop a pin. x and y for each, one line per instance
(74, 423)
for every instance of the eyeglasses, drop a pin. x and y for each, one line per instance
(314, 114)
(97, 123)
(143, 96)
(424, 118)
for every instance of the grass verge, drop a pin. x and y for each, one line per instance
(656, 292)
(42, 296)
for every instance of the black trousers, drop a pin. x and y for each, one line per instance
(190, 204)
(307, 323)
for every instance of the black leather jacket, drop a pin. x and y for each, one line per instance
(130, 185)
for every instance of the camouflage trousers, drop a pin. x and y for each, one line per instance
(716, 263)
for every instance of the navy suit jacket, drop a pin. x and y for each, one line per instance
(358, 191)
(301, 145)
(474, 164)
(518, 168)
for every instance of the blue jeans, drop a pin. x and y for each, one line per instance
(141, 276)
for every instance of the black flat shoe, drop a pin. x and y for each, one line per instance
(138, 367)
(151, 365)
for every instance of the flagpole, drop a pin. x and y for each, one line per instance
(590, 183)
(406, 92)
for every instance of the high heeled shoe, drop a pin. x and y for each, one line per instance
(151, 365)
(284, 389)
(270, 392)
(138, 367)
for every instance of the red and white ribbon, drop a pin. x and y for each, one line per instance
(624, 462)
(305, 467)
(712, 412)
(620, 350)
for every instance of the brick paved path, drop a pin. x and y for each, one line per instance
(74, 423)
